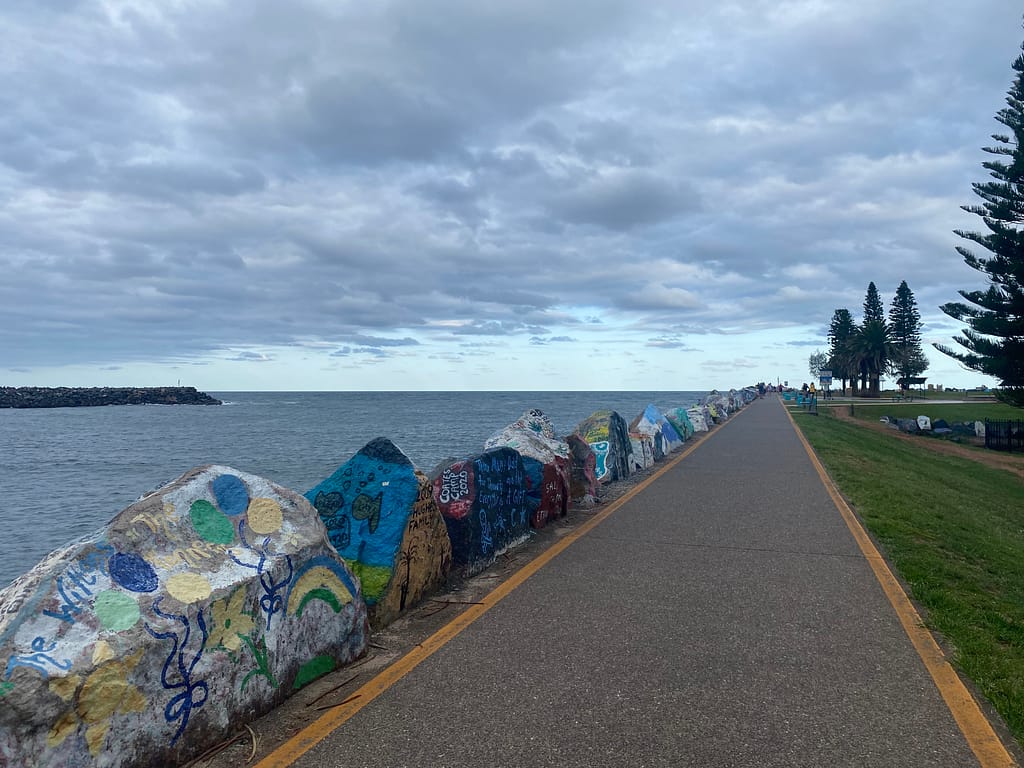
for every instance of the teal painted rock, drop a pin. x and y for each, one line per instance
(377, 519)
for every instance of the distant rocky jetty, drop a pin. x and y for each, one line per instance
(76, 397)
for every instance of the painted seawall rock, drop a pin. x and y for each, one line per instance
(584, 486)
(607, 434)
(681, 421)
(696, 414)
(546, 460)
(377, 519)
(483, 501)
(642, 456)
(195, 609)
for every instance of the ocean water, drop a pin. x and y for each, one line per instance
(65, 472)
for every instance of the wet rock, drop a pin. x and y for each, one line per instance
(199, 607)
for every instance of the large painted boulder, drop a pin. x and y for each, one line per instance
(584, 486)
(680, 419)
(652, 422)
(483, 501)
(197, 608)
(697, 418)
(546, 460)
(381, 518)
(607, 434)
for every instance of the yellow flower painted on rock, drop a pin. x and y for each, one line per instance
(105, 692)
(230, 622)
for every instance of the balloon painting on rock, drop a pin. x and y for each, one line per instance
(195, 607)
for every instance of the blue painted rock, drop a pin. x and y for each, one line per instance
(681, 421)
(199, 607)
(483, 501)
(607, 434)
(373, 509)
(546, 460)
(652, 422)
(584, 486)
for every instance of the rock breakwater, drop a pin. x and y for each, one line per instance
(76, 397)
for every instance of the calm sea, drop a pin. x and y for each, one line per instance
(64, 472)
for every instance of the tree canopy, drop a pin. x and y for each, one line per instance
(994, 338)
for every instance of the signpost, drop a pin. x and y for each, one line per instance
(825, 382)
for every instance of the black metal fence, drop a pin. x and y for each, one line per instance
(1004, 435)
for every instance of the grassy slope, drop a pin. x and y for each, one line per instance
(954, 530)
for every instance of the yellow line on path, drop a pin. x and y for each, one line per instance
(976, 728)
(320, 729)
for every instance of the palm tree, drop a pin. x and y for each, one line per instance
(873, 351)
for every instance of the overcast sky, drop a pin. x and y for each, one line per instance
(481, 194)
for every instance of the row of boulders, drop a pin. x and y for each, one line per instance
(206, 603)
(76, 397)
(940, 427)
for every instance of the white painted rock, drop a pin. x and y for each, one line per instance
(696, 415)
(197, 608)
(924, 423)
(643, 451)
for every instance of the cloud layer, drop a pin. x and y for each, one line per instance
(344, 184)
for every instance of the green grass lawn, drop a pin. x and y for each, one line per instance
(954, 531)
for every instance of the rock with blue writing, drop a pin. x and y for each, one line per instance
(483, 501)
(546, 460)
(378, 520)
(199, 607)
(584, 486)
(607, 434)
(680, 419)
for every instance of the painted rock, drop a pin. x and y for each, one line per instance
(376, 518)
(483, 501)
(643, 451)
(680, 419)
(583, 483)
(424, 559)
(652, 422)
(696, 415)
(607, 434)
(197, 608)
(546, 460)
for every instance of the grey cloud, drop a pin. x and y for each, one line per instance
(498, 328)
(624, 199)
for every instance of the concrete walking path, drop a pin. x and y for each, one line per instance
(722, 616)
